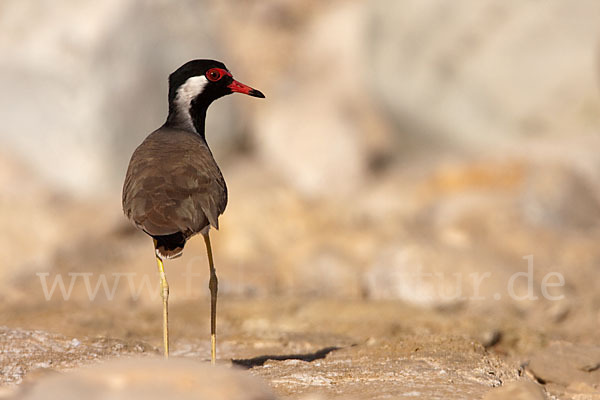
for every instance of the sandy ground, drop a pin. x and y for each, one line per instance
(295, 345)
(337, 349)
(325, 303)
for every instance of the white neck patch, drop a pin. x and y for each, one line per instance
(185, 94)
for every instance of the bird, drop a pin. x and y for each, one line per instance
(173, 187)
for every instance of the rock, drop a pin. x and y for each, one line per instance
(425, 275)
(566, 363)
(522, 390)
(482, 72)
(399, 274)
(324, 272)
(151, 379)
(490, 338)
(319, 130)
(558, 197)
(85, 82)
(580, 390)
(23, 352)
(396, 369)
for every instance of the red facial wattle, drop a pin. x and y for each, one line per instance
(215, 74)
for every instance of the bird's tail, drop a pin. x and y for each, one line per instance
(169, 246)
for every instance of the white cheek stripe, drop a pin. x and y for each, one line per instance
(185, 94)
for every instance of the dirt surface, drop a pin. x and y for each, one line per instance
(440, 295)
(294, 345)
(337, 349)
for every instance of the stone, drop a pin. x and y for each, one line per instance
(151, 379)
(85, 83)
(29, 353)
(559, 197)
(399, 274)
(486, 72)
(564, 363)
(424, 276)
(320, 135)
(521, 390)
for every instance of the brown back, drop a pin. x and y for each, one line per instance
(173, 184)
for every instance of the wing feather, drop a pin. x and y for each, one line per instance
(173, 184)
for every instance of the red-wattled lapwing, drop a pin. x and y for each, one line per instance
(173, 188)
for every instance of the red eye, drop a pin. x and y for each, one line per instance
(214, 74)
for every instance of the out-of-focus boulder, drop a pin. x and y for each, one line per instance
(150, 379)
(485, 72)
(321, 125)
(522, 390)
(477, 229)
(85, 82)
(559, 197)
(566, 363)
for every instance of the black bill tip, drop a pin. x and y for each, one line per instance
(256, 93)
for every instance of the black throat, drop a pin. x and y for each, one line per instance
(193, 119)
(197, 111)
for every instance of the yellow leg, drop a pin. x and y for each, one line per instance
(164, 286)
(213, 285)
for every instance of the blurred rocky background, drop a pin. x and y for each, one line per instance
(414, 208)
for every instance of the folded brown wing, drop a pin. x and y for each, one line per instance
(173, 185)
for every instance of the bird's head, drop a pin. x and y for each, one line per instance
(196, 84)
